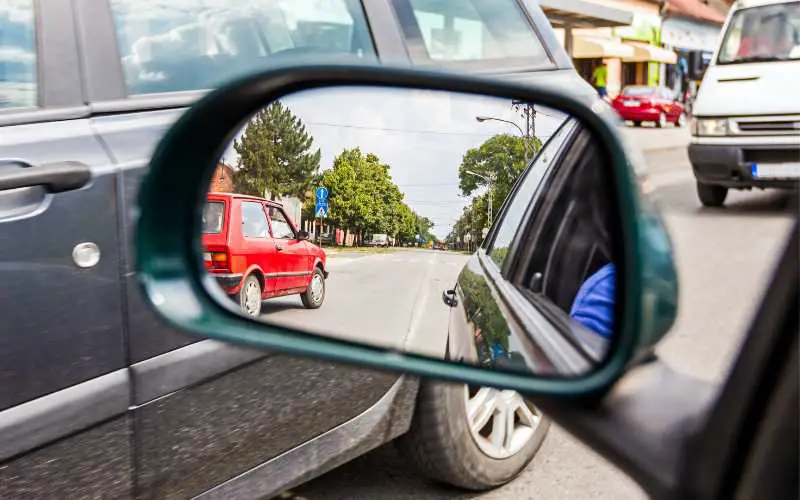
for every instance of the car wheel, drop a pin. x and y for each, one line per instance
(662, 120)
(315, 293)
(472, 438)
(249, 296)
(681, 121)
(711, 195)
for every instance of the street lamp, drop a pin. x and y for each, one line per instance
(489, 192)
(482, 119)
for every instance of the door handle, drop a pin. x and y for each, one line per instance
(56, 177)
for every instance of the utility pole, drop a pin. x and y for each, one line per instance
(528, 112)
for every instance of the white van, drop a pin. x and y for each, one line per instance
(746, 124)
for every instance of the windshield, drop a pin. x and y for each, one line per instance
(767, 33)
(638, 91)
(212, 217)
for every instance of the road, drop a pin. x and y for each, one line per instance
(724, 258)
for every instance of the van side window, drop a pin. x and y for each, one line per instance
(18, 86)
(196, 44)
(254, 220)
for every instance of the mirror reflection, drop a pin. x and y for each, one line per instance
(466, 227)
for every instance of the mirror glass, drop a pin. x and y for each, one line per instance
(466, 227)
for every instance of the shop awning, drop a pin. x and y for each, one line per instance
(589, 47)
(583, 14)
(644, 52)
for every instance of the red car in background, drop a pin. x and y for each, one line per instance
(255, 252)
(638, 103)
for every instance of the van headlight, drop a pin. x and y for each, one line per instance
(710, 126)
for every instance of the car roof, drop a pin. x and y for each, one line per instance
(215, 195)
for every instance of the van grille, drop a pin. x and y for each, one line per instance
(783, 125)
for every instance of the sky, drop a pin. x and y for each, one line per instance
(421, 134)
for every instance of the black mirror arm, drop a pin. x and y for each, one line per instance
(637, 425)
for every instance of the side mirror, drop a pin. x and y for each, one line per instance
(302, 235)
(568, 223)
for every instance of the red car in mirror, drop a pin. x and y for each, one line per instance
(254, 250)
(638, 103)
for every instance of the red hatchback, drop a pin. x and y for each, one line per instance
(255, 252)
(649, 104)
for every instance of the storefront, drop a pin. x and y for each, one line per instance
(644, 37)
(694, 42)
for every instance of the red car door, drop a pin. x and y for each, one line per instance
(253, 246)
(291, 253)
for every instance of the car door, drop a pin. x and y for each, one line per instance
(64, 384)
(293, 254)
(253, 240)
(205, 413)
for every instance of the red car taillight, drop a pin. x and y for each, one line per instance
(217, 261)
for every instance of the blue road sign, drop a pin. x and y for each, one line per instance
(322, 195)
(321, 211)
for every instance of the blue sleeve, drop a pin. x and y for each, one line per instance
(594, 304)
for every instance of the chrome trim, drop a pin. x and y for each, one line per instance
(59, 414)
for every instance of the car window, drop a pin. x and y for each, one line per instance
(526, 195)
(213, 215)
(198, 44)
(468, 30)
(280, 226)
(17, 55)
(254, 220)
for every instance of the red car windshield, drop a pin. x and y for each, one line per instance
(638, 91)
(213, 215)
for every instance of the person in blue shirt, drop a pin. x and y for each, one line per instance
(593, 306)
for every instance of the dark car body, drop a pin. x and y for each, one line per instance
(98, 396)
(646, 104)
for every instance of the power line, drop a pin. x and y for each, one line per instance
(406, 130)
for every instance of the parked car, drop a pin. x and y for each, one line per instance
(100, 379)
(746, 118)
(377, 240)
(639, 103)
(255, 252)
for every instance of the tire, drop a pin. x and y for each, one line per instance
(662, 120)
(250, 303)
(441, 445)
(711, 195)
(313, 299)
(680, 122)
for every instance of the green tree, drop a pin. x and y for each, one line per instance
(500, 158)
(275, 155)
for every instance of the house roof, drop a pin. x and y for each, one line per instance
(694, 9)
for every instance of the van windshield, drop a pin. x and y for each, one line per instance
(762, 34)
(213, 213)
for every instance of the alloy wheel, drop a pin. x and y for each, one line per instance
(317, 288)
(501, 422)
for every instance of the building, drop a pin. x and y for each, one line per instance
(222, 180)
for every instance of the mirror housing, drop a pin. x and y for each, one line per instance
(302, 235)
(177, 287)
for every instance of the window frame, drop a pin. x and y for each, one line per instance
(266, 219)
(418, 52)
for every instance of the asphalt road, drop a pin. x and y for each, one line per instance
(724, 257)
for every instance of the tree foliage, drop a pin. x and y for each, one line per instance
(275, 155)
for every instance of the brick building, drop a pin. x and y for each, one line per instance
(222, 181)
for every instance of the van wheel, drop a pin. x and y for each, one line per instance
(315, 293)
(476, 438)
(711, 195)
(249, 296)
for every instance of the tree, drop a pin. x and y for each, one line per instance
(275, 155)
(500, 158)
